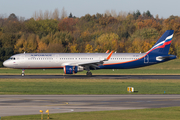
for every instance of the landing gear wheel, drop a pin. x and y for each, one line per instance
(89, 74)
(22, 74)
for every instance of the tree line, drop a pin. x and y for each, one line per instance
(51, 32)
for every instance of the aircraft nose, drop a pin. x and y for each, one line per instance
(5, 63)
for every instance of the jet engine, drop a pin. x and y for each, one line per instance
(72, 69)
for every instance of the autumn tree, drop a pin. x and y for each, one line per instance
(18, 47)
(27, 43)
(41, 27)
(40, 15)
(55, 14)
(172, 23)
(67, 24)
(107, 42)
(126, 28)
(147, 14)
(89, 48)
(136, 14)
(55, 48)
(42, 46)
(47, 15)
(12, 24)
(12, 17)
(74, 48)
(145, 33)
(142, 40)
(63, 13)
(87, 18)
(149, 23)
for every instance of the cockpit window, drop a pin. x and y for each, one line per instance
(12, 58)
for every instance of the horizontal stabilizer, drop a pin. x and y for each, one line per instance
(160, 58)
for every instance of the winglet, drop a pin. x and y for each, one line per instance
(107, 51)
(109, 56)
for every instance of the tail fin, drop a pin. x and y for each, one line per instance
(163, 44)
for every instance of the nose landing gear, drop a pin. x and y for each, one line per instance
(23, 73)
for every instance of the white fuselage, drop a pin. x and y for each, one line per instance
(59, 60)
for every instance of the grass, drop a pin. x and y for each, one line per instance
(170, 67)
(87, 86)
(170, 113)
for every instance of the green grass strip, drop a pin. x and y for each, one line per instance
(87, 86)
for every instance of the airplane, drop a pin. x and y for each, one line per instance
(72, 63)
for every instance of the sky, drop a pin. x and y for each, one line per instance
(26, 8)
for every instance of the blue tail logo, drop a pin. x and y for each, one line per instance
(163, 44)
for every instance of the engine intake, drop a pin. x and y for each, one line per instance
(72, 69)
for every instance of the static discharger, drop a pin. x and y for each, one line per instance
(130, 89)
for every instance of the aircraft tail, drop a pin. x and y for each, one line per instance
(163, 44)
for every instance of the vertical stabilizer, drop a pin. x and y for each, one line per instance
(163, 44)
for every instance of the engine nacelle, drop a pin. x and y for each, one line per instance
(72, 69)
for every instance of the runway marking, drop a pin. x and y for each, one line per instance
(66, 103)
(71, 110)
(168, 99)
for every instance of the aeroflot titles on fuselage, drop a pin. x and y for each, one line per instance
(51, 55)
(41, 55)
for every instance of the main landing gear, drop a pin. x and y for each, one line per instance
(89, 74)
(23, 72)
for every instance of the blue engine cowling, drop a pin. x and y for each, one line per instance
(70, 69)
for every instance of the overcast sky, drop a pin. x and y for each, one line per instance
(26, 8)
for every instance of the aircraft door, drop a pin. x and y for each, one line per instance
(22, 58)
(56, 58)
(146, 59)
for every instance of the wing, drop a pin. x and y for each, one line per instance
(96, 63)
(93, 64)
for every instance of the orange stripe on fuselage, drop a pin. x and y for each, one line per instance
(126, 61)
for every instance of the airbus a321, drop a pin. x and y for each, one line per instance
(76, 62)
